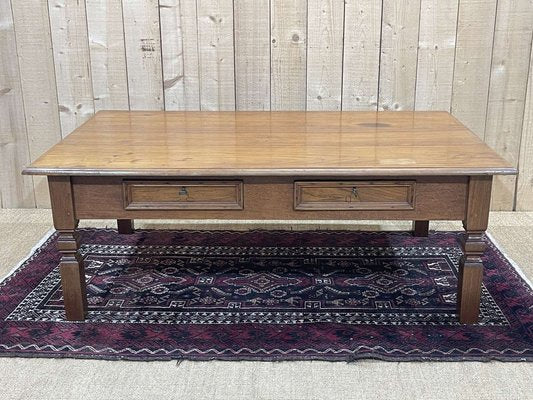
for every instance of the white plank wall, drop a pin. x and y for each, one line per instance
(508, 82)
(143, 54)
(524, 190)
(473, 55)
(436, 54)
(15, 190)
(324, 54)
(68, 24)
(63, 60)
(252, 54)
(362, 44)
(289, 54)
(216, 52)
(179, 44)
(399, 54)
(38, 82)
(108, 58)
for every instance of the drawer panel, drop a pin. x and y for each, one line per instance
(182, 195)
(354, 195)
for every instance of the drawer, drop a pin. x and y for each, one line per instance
(182, 195)
(354, 195)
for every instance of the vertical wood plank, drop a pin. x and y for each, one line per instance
(38, 83)
(216, 55)
(143, 54)
(107, 54)
(473, 53)
(399, 44)
(68, 24)
(362, 34)
(436, 54)
(15, 190)
(508, 82)
(252, 54)
(179, 43)
(324, 54)
(524, 187)
(288, 54)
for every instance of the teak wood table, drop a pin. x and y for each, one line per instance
(417, 166)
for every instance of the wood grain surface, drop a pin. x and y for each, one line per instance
(271, 143)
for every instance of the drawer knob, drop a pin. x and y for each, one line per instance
(354, 192)
(183, 191)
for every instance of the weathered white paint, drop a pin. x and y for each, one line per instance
(38, 83)
(252, 54)
(436, 54)
(524, 189)
(289, 57)
(362, 34)
(216, 53)
(508, 82)
(324, 54)
(107, 54)
(143, 54)
(473, 54)
(15, 190)
(179, 44)
(399, 47)
(72, 57)
(68, 24)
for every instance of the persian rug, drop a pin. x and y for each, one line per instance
(266, 295)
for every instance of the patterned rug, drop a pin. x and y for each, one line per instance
(266, 295)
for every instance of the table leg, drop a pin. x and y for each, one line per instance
(420, 228)
(71, 267)
(471, 266)
(72, 276)
(125, 226)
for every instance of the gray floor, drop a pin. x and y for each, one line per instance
(88, 379)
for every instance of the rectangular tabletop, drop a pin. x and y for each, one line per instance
(270, 143)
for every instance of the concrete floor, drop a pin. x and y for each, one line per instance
(87, 379)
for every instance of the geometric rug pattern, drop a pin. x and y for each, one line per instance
(266, 295)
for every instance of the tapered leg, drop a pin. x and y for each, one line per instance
(420, 228)
(71, 267)
(125, 226)
(72, 276)
(470, 278)
(471, 266)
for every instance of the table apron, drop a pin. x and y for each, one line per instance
(273, 198)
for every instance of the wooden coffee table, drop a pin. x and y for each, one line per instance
(417, 166)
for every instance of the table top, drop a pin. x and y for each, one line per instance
(146, 143)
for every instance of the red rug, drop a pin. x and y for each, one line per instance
(263, 295)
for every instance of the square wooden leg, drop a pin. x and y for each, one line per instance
(471, 266)
(420, 228)
(470, 279)
(71, 267)
(72, 277)
(125, 226)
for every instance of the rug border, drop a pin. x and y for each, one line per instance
(348, 358)
(513, 263)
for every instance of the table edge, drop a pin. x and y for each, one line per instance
(272, 172)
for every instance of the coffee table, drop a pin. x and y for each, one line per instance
(417, 166)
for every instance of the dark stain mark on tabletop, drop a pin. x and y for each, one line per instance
(374, 124)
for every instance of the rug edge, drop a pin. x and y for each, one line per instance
(291, 358)
(513, 263)
(32, 252)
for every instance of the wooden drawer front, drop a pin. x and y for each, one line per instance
(354, 195)
(183, 195)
